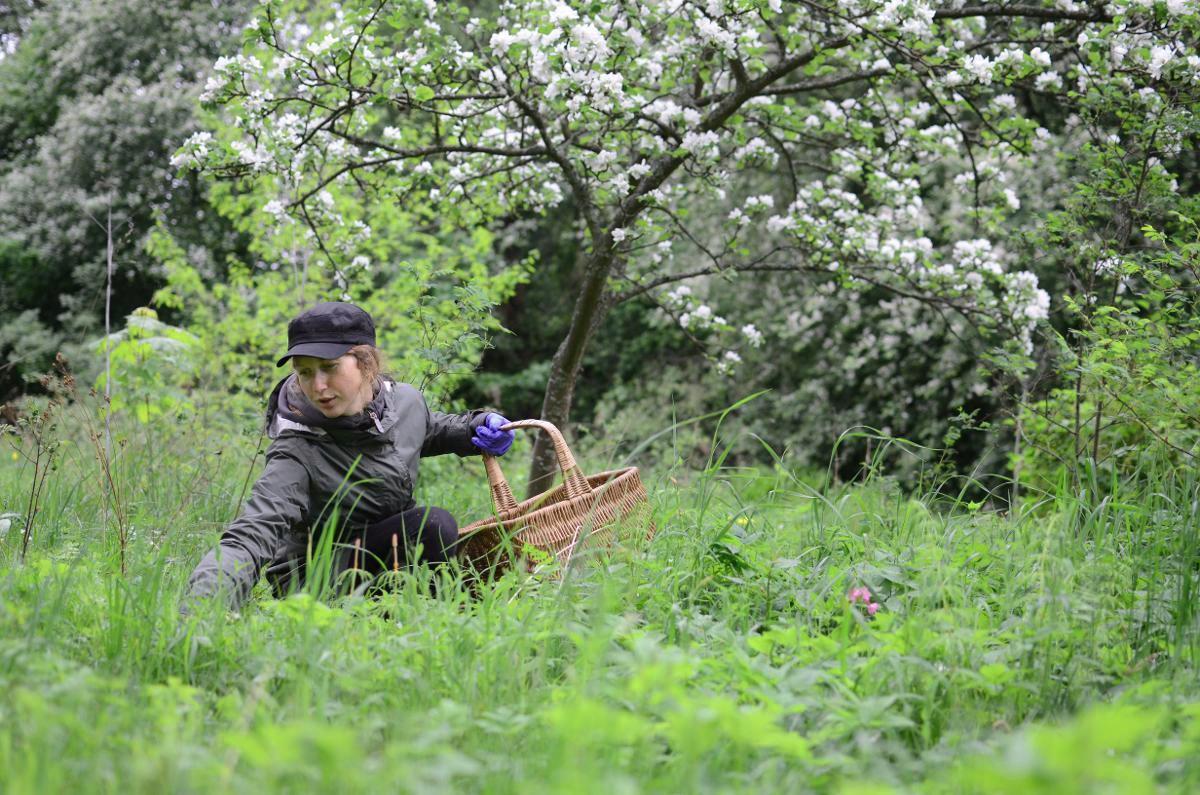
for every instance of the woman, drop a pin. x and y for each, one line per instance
(346, 442)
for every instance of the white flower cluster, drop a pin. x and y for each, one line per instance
(757, 204)
(1027, 304)
(226, 71)
(678, 295)
(712, 33)
(256, 157)
(568, 58)
(289, 129)
(981, 69)
(912, 17)
(756, 151)
(1048, 81)
(728, 362)
(1173, 7)
(701, 317)
(703, 145)
(194, 152)
(276, 209)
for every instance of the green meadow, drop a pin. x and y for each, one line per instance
(1051, 650)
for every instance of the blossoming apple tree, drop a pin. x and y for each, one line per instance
(632, 115)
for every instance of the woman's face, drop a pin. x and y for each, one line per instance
(335, 386)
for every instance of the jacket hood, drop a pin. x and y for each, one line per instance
(289, 411)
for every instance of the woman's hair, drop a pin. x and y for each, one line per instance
(370, 361)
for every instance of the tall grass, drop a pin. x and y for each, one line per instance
(1053, 649)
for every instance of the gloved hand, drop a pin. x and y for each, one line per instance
(488, 436)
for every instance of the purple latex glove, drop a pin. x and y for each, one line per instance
(488, 436)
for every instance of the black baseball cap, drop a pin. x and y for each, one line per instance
(328, 330)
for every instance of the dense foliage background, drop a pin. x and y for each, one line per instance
(947, 253)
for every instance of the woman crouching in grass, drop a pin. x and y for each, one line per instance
(344, 436)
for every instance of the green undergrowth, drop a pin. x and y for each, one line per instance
(1049, 652)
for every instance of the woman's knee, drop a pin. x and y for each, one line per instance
(440, 532)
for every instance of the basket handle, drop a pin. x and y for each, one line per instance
(573, 478)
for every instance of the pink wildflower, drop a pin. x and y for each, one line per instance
(862, 594)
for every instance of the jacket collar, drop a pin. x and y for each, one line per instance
(289, 411)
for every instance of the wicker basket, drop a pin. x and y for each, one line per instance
(580, 512)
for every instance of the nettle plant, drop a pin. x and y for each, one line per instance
(630, 115)
(149, 362)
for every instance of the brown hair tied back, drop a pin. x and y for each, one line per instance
(370, 362)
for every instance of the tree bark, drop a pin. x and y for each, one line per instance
(568, 359)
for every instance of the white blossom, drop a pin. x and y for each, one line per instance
(702, 144)
(981, 67)
(194, 150)
(1047, 80)
(501, 40)
(679, 294)
(256, 157)
(1159, 58)
(779, 223)
(727, 362)
(587, 44)
(714, 34)
(561, 12)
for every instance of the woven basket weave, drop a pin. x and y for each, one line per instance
(582, 511)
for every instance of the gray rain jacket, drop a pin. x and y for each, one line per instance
(305, 477)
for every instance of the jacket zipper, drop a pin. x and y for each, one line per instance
(375, 418)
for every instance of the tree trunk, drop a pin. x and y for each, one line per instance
(590, 307)
(568, 359)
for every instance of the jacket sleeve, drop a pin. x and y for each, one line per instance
(278, 502)
(451, 433)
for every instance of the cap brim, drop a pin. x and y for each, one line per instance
(317, 350)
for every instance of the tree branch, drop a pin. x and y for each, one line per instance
(1035, 12)
(833, 81)
(756, 266)
(578, 186)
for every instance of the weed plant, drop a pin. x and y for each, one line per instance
(1050, 650)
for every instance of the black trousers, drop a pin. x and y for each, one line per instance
(422, 534)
